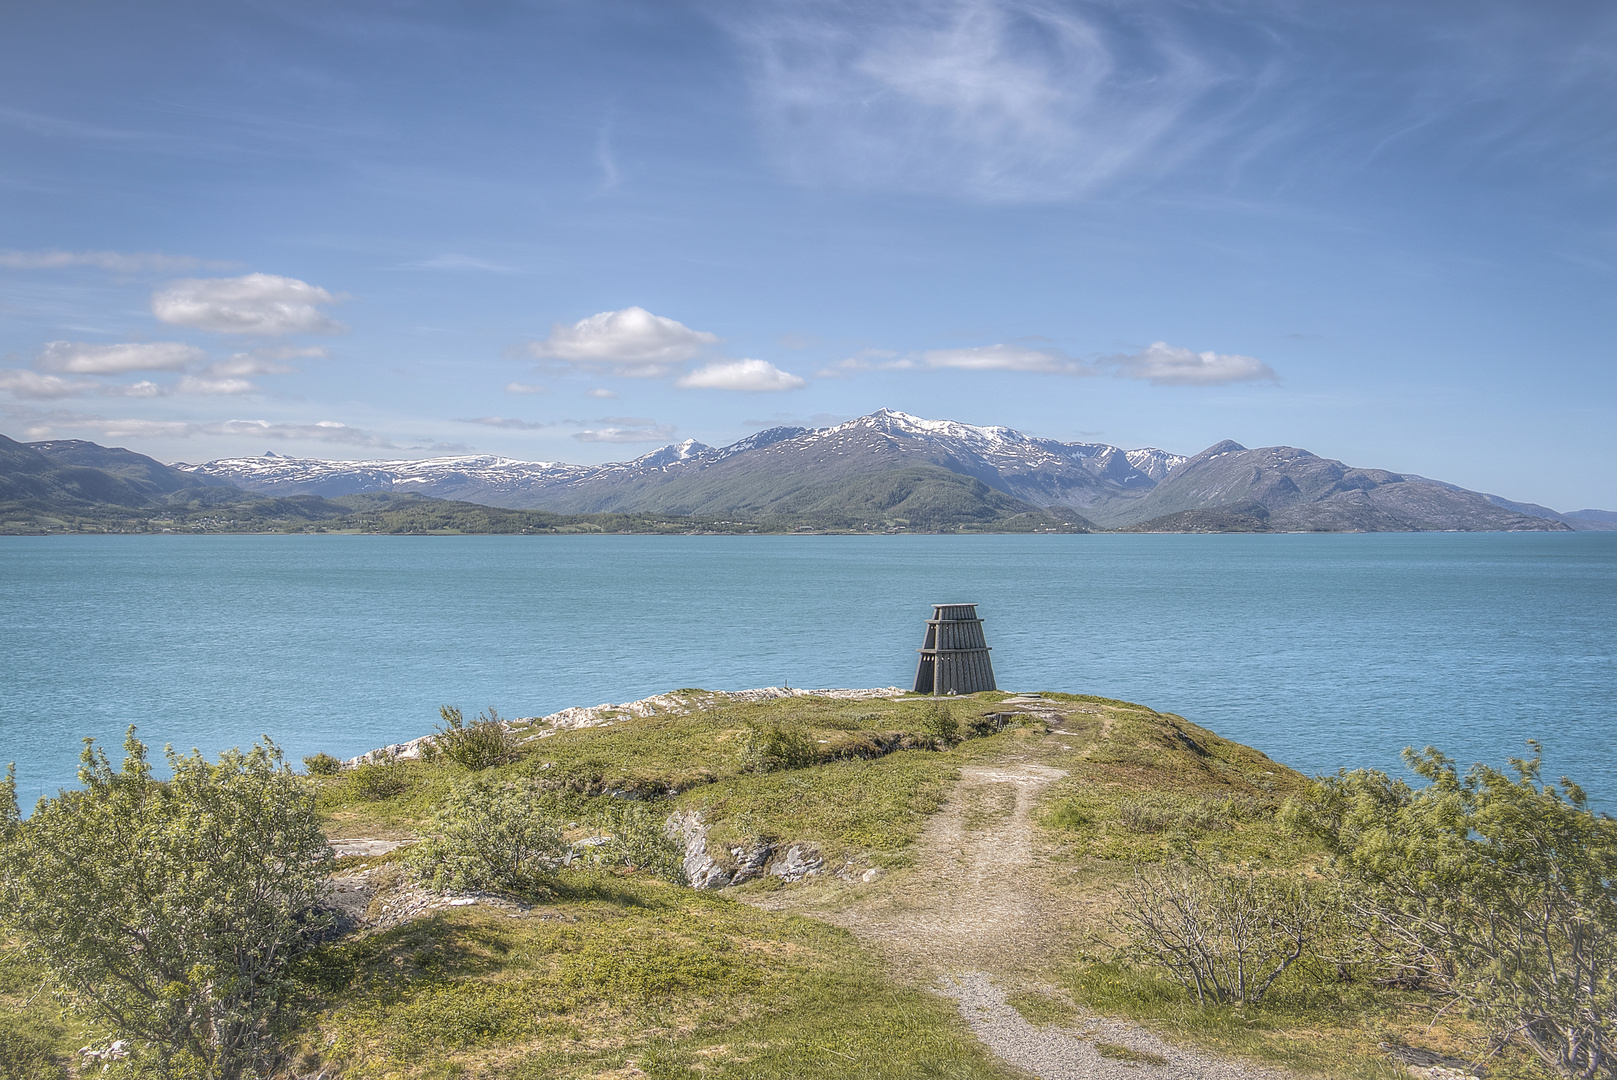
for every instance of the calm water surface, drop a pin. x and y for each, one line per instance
(1323, 651)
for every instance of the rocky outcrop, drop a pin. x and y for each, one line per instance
(680, 702)
(757, 859)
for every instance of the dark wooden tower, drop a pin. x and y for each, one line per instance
(954, 659)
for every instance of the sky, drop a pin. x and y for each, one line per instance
(576, 231)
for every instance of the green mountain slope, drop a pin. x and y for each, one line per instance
(1228, 487)
(76, 486)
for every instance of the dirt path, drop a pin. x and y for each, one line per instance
(978, 916)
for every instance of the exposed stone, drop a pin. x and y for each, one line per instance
(701, 869)
(752, 861)
(798, 863)
(873, 874)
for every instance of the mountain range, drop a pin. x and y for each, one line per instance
(891, 466)
(888, 471)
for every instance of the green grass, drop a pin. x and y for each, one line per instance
(1145, 786)
(862, 799)
(37, 1038)
(1309, 1022)
(613, 971)
(1042, 1009)
(1119, 1052)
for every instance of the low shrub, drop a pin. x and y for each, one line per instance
(483, 743)
(490, 836)
(637, 840)
(322, 765)
(1507, 882)
(937, 722)
(767, 748)
(379, 777)
(1225, 936)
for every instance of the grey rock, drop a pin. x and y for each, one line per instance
(701, 869)
(752, 860)
(798, 863)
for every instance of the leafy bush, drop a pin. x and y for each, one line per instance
(767, 748)
(322, 765)
(478, 745)
(490, 836)
(171, 911)
(938, 723)
(1225, 936)
(637, 840)
(1502, 887)
(379, 777)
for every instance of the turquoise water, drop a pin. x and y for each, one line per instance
(1323, 651)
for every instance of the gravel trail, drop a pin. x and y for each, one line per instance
(978, 916)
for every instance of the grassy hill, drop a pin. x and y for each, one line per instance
(829, 970)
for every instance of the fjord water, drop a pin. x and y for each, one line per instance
(1324, 651)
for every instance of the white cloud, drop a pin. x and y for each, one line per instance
(1000, 100)
(80, 359)
(601, 392)
(627, 429)
(241, 365)
(143, 389)
(506, 422)
(122, 262)
(291, 352)
(632, 342)
(1168, 365)
(202, 384)
(263, 304)
(524, 388)
(868, 360)
(750, 376)
(330, 431)
(21, 383)
(1005, 358)
(137, 429)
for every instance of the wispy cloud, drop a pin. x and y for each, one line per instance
(214, 385)
(81, 359)
(463, 263)
(1168, 365)
(627, 429)
(120, 262)
(324, 431)
(1005, 358)
(748, 376)
(1004, 100)
(606, 159)
(242, 365)
(1159, 363)
(258, 304)
(31, 385)
(524, 388)
(508, 422)
(601, 392)
(632, 342)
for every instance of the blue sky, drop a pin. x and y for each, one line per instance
(1385, 232)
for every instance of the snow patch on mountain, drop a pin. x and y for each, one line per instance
(1004, 457)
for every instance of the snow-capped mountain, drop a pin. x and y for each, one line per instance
(892, 464)
(1039, 471)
